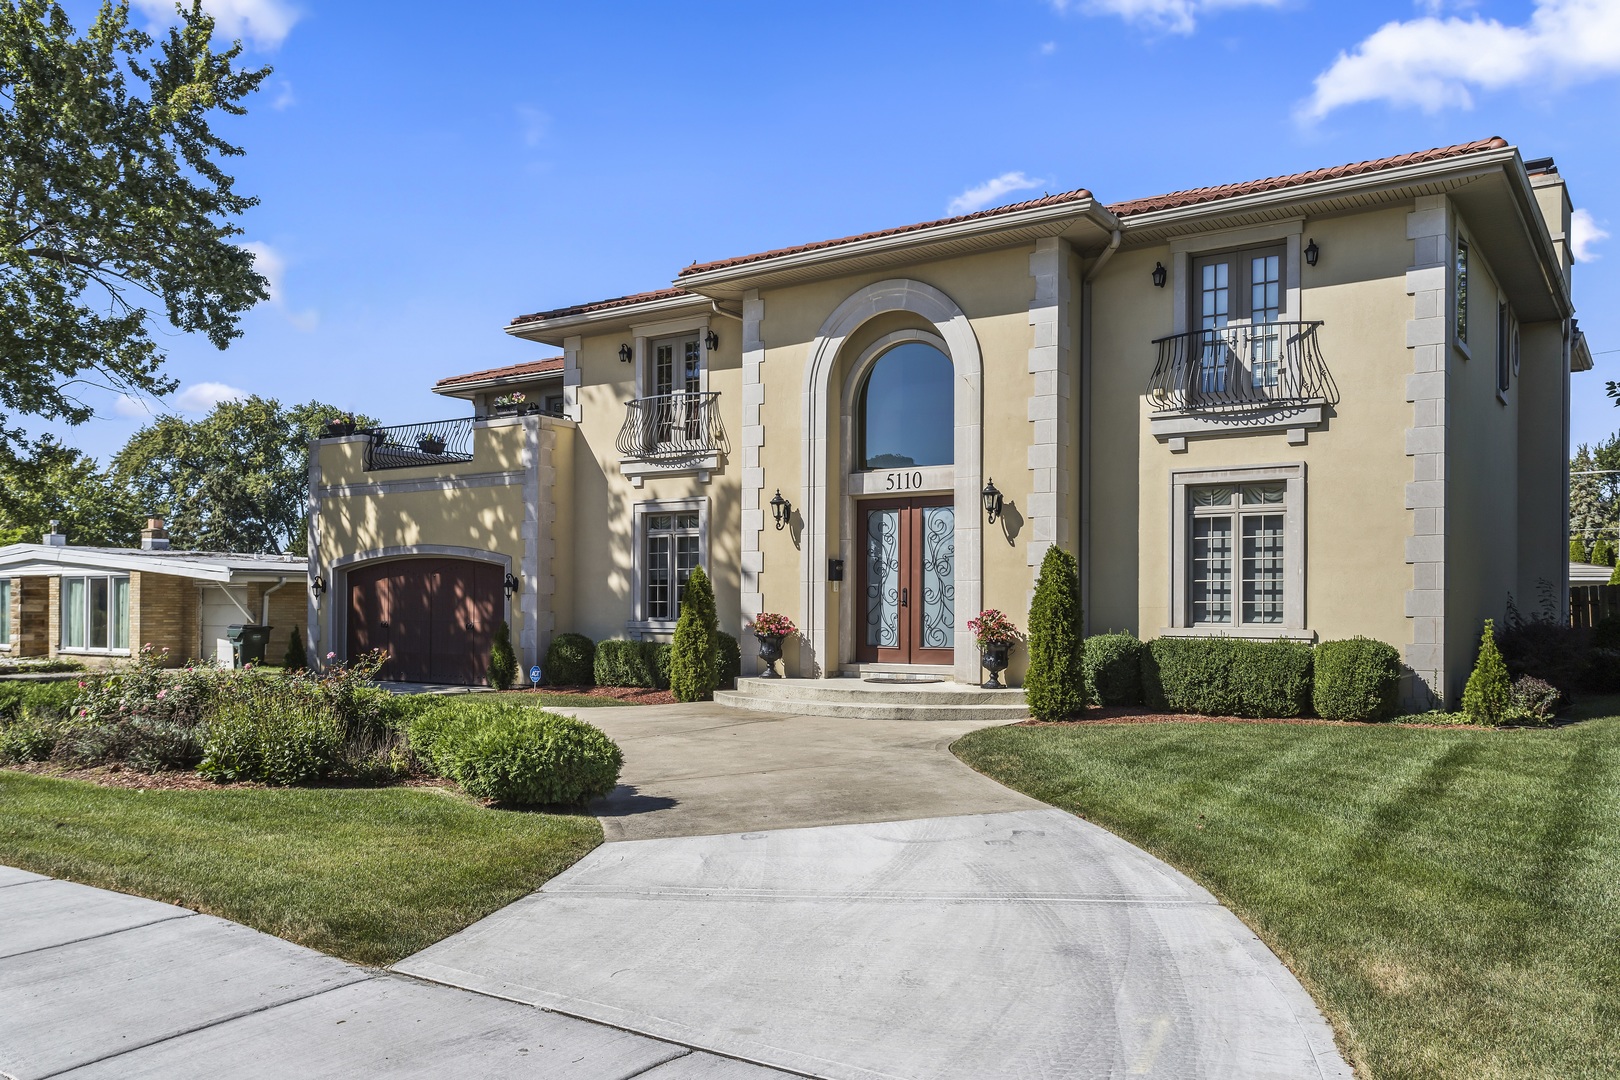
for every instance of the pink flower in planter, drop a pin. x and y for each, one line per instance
(331, 656)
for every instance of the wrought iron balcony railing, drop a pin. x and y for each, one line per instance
(1232, 371)
(672, 427)
(410, 445)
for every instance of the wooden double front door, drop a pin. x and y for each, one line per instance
(907, 598)
(435, 618)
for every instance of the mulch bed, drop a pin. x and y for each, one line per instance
(118, 776)
(630, 695)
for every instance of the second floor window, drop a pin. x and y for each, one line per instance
(677, 370)
(1238, 288)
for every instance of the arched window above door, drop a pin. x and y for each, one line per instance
(906, 412)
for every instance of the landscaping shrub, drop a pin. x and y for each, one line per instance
(296, 658)
(30, 665)
(1577, 550)
(274, 732)
(694, 669)
(570, 661)
(1222, 676)
(143, 713)
(1055, 684)
(502, 661)
(1534, 701)
(29, 736)
(1357, 679)
(49, 699)
(1602, 552)
(1489, 693)
(1113, 667)
(1549, 650)
(633, 663)
(517, 755)
(730, 660)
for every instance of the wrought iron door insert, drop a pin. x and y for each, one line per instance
(907, 600)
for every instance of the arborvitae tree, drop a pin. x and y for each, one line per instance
(1586, 516)
(1614, 576)
(1055, 685)
(1602, 552)
(694, 662)
(502, 660)
(1577, 550)
(295, 659)
(1489, 690)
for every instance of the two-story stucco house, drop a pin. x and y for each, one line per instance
(1311, 406)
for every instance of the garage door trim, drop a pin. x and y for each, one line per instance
(336, 636)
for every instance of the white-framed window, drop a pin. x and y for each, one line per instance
(671, 538)
(94, 615)
(1238, 551)
(5, 613)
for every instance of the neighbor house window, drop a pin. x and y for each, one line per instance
(5, 613)
(95, 613)
(1462, 290)
(671, 539)
(1238, 563)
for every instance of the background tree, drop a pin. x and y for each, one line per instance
(236, 480)
(1587, 518)
(112, 200)
(58, 482)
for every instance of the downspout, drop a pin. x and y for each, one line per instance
(1102, 260)
(264, 601)
(718, 310)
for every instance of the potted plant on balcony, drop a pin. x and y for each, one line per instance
(340, 426)
(429, 443)
(770, 628)
(994, 634)
(509, 404)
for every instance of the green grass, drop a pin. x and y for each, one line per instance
(369, 875)
(1450, 897)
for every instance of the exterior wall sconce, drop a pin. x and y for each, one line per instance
(626, 354)
(992, 501)
(318, 586)
(1312, 252)
(781, 510)
(510, 584)
(712, 340)
(1159, 274)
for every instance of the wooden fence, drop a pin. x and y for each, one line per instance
(1589, 603)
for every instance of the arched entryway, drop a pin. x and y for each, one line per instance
(435, 617)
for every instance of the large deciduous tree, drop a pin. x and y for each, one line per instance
(114, 210)
(58, 483)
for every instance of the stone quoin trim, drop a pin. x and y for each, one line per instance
(752, 517)
(1049, 363)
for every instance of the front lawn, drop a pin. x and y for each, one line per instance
(369, 875)
(1450, 897)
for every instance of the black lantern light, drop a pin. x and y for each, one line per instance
(712, 340)
(992, 501)
(510, 584)
(781, 510)
(1159, 274)
(626, 354)
(1312, 252)
(318, 586)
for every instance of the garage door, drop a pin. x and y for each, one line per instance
(435, 618)
(223, 606)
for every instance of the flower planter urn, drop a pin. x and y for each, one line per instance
(430, 445)
(770, 651)
(337, 429)
(993, 658)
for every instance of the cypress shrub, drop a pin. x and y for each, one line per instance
(1221, 676)
(1356, 679)
(1489, 691)
(1577, 550)
(694, 668)
(1055, 685)
(295, 659)
(730, 660)
(502, 661)
(570, 661)
(1113, 665)
(1614, 576)
(1602, 553)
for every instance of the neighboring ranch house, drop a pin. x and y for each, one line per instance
(101, 605)
(1306, 407)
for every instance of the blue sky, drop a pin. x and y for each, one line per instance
(429, 172)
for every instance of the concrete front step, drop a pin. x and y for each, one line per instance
(858, 691)
(871, 710)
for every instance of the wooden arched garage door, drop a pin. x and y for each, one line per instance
(435, 618)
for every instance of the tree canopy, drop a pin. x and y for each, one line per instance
(58, 483)
(114, 209)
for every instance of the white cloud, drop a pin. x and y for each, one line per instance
(273, 265)
(985, 194)
(284, 99)
(1584, 232)
(265, 23)
(1048, 48)
(203, 396)
(536, 122)
(1435, 63)
(1172, 16)
(134, 408)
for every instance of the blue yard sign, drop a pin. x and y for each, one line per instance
(534, 676)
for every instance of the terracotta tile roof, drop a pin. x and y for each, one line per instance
(1193, 196)
(533, 367)
(1077, 195)
(599, 305)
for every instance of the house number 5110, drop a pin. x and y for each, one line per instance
(903, 481)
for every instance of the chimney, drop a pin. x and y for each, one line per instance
(55, 538)
(154, 537)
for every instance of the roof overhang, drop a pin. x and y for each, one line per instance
(47, 560)
(473, 387)
(1580, 353)
(553, 331)
(1086, 223)
(1489, 187)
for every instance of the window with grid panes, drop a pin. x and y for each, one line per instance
(1238, 288)
(1235, 554)
(673, 549)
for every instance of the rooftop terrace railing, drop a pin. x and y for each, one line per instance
(406, 446)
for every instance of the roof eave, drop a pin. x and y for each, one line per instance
(19, 558)
(553, 331)
(476, 386)
(1580, 353)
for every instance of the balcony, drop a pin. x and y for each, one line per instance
(671, 434)
(408, 446)
(1260, 375)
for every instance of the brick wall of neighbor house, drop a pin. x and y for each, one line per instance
(31, 616)
(163, 613)
(53, 616)
(287, 610)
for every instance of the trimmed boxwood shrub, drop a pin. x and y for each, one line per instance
(1221, 676)
(515, 755)
(730, 654)
(632, 663)
(570, 661)
(1356, 679)
(1113, 665)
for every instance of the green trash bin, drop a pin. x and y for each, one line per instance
(248, 643)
